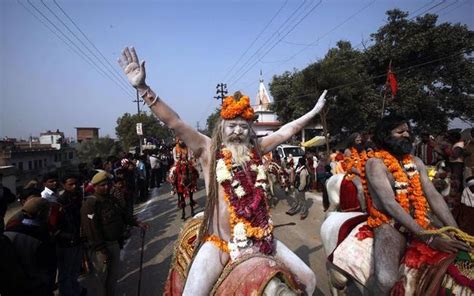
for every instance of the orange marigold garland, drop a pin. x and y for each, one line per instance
(241, 108)
(408, 191)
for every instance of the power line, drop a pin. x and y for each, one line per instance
(400, 70)
(83, 55)
(362, 42)
(256, 38)
(91, 43)
(306, 46)
(84, 45)
(268, 40)
(55, 33)
(278, 41)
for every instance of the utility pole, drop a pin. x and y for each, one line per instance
(138, 101)
(139, 125)
(221, 91)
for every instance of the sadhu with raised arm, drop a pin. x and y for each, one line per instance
(236, 219)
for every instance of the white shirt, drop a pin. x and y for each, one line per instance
(49, 195)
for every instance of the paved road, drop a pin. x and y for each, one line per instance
(164, 218)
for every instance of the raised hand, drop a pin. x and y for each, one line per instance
(130, 64)
(321, 101)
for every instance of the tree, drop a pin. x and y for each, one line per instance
(152, 129)
(102, 147)
(212, 122)
(349, 106)
(435, 68)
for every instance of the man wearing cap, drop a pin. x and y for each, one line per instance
(103, 222)
(34, 246)
(236, 184)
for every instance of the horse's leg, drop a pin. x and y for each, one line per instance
(389, 247)
(302, 271)
(206, 268)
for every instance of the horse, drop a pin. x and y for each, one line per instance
(238, 277)
(331, 234)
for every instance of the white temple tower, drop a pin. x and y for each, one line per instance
(267, 121)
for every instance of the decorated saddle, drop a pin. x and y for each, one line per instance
(423, 270)
(255, 274)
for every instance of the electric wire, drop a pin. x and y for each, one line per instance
(91, 43)
(268, 40)
(85, 46)
(278, 41)
(83, 55)
(255, 40)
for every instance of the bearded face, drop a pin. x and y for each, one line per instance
(236, 137)
(399, 142)
(236, 131)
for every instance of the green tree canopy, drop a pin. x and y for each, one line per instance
(432, 62)
(152, 129)
(101, 147)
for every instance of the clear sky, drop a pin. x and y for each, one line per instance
(189, 47)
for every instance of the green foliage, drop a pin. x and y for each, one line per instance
(102, 147)
(441, 87)
(434, 72)
(212, 122)
(152, 128)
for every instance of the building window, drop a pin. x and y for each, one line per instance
(30, 165)
(71, 155)
(45, 161)
(40, 163)
(20, 165)
(35, 164)
(55, 158)
(14, 164)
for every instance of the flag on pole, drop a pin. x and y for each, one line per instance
(391, 81)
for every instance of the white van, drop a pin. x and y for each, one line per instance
(285, 150)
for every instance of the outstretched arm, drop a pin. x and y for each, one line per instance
(269, 143)
(136, 74)
(435, 200)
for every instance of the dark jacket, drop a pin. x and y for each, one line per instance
(104, 220)
(69, 224)
(35, 250)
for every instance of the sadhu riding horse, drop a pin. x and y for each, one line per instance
(236, 225)
(407, 243)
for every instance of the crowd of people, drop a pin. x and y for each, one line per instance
(75, 223)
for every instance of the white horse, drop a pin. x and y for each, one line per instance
(329, 236)
(333, 185)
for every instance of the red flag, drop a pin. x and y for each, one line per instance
(391, 81)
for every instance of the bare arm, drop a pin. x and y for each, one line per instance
(136, 75)
(269, 142)
(435, 200)
(385, 197)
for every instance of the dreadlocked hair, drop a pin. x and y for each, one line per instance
(213, 189)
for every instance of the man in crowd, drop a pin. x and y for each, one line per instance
(103, 222)
(155, 180)
(6, 197)
(393, 175)
(301, 186)
(469, 157)
(233, 171)
(34, 246)
(426, 150)
(68, 240)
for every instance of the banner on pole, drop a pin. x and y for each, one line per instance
(139, 129)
